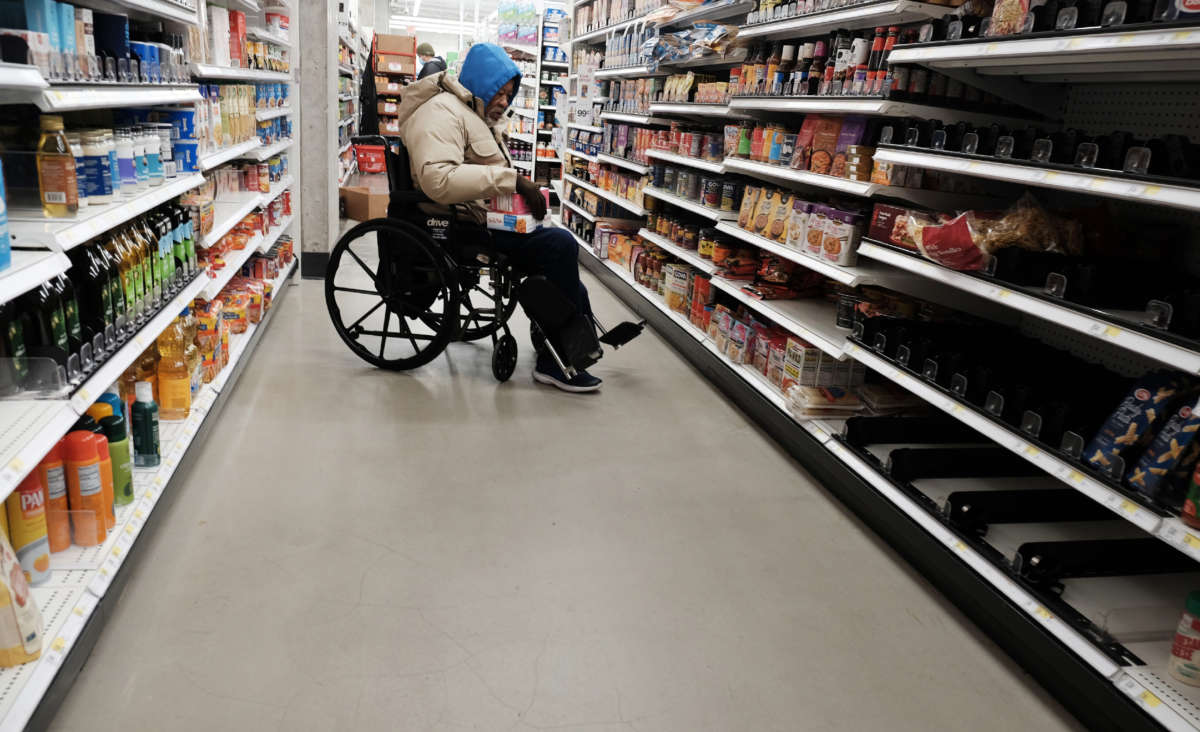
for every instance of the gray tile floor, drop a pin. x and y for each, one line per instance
(364, 550)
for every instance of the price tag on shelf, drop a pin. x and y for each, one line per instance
(1149, 699)
(1043, 613)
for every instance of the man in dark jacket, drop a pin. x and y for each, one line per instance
(431, 64)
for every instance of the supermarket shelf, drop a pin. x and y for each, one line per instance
(345, 122)
(209, 71)
(233, 265)
(622, 72)
(892, 12)
(1138, 515)
(712, 11)
(555, 64)
(83, 577)
(803, 177)
(1066, 55)
(269, 240)
(694, 207)
(1160, 194)
(547, 107)
(621, 163)
(523, 164)
(585, 156)
(578, 209)
(528, 81)
(637, 119)
(344, 69)
(850, 276)
(624, 203)
(588, 128)
(549, 160)
(521, 136)
(345, 97)
(28, 429)
(524, 112)
(29, 269)
(103, 96)
(269, 151)
(116, 364)
(531, 50)
(277, 188)
(551, 82)
(227, 214)
(687, 255)
(733, 57)
(1107, 330)
(545, 132)
(691, 109)
(261, 34)
(212, 160)
(30, 229)
(265, 114)
(162, 9)
(870, 106)
(249, 6)
(1173, 705)
(698, 163)
(20, 83)
(556, 185)
(343, 149)
(811, 319)
(601, 32)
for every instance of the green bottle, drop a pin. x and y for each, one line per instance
(48, 326)
(13, 366)
(118, 451)
(145, 426)
(70, 307)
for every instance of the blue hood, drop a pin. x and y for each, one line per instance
(485, 69)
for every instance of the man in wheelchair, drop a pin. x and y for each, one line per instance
(452, 130)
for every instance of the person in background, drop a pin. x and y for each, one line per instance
(430, 64)
(452, 129)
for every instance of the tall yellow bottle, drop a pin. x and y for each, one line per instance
(57, 183)
(174, 380)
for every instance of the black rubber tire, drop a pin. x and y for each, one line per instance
(504, 358)
(418, 249)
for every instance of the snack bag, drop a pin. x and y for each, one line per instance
(950, 244)
(781, 214)
(1008, 16)
(1167, 450)
(824, 144)
(1136, 418)
(762, 212)
(802, 155)
(797, 227)
(749, 204)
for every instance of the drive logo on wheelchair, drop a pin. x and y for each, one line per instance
(437, 228)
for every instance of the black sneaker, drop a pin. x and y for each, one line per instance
(550, 373)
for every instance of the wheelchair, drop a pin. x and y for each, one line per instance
(400, 289)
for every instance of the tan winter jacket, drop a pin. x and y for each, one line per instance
(455, 156)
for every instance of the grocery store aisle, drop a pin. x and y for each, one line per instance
(364, 550)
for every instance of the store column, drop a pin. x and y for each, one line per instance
(318, 30)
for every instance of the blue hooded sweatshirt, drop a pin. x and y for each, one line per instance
(486, 68)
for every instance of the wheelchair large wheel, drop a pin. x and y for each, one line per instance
(389, 290)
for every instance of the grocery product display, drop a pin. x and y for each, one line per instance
(352, 53)
(534, 40)
(146, 230)
(932, 273)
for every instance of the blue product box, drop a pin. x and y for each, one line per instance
(66, 27)
(112, 34)
(186, 154)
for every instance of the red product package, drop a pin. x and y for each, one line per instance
(951, 245)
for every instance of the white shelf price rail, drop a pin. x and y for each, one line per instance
(869, 106)
(607, 195)
(811, 319)
(1079, 181)
(1108, 331)
(693, 206)
(894, 12)
(212, 160)
(29, 269)
(76, 98)
(272, 113)
(578, 209)
(210, 71)
(698, 163)
(803, 177)
(226, 215)
(691, 109)
(268, 151)
(617, 161)
(30, 229)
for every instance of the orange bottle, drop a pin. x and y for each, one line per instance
(100, 410)
(85, 489)
(26, 511)
(53, 478)
(106, 482)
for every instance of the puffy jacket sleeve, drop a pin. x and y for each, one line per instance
(438, 164)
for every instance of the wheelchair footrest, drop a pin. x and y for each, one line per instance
(622, 333)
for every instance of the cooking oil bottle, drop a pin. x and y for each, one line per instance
(57, 183)
(174, 380)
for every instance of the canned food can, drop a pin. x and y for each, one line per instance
(731, 192)
(690, 236)
(683, 181)
(695, 145)
(657, 173)
(714, 147)
(668, 179)
(711, 191)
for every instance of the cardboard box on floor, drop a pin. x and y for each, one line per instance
(363, 203)
(395, 43)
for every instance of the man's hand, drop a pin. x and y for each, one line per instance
(533, 197)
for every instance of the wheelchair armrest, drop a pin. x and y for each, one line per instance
(408, 197)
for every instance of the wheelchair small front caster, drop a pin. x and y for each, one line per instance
(504, 358)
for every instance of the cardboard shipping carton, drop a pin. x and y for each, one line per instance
(394, 43)
(364, 204)
(392, 64)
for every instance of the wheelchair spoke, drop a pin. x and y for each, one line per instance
(355, 290)
(365, 315)
(372, 275)
(412, 337)
(387, 317)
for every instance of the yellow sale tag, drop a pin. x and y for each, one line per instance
(1112, 332)
(116, 552)
(58, 644)
(1150, 699)
(1043, 613)
(959, 546)
(1129, 507)
(1076, 476)
(17, 464)
(1153, 190)
(85, 395)
(1003, 294)
(1032, 451)
(1191, 540)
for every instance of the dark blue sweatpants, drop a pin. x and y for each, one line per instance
(551, 252)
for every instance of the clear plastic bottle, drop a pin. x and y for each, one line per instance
(98, 180)
(75, 142)
(126, 166)
(57, 183)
